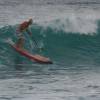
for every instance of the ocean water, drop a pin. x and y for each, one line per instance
(69, 32)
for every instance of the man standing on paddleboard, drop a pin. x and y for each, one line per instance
(23, 27)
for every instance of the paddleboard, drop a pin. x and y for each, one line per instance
(34, 57)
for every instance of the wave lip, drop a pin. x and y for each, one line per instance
(70, 40)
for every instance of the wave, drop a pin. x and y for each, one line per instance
(59, 45)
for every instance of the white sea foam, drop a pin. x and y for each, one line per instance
(81, 20)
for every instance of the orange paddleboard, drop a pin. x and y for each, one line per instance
(37, 58)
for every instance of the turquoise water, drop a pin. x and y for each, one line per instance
(60, 46)
(73, 75)
(69, 33)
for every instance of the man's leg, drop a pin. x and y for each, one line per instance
(20, 43)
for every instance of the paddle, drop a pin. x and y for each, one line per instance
(36, 43)
(33, 42)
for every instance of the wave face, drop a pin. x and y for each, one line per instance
(67, 30)
(61, 46)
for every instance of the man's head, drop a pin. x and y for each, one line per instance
(30, 21)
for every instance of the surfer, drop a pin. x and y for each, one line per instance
(23, 27)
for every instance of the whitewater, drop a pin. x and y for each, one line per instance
(69, 32)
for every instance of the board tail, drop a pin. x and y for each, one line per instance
(10, 41)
